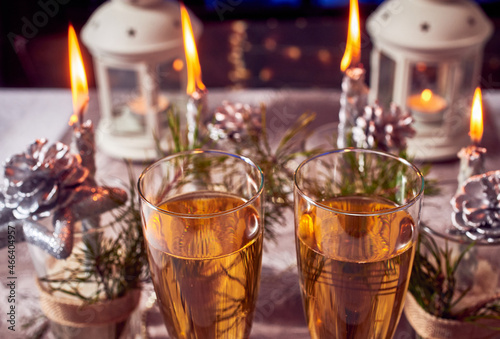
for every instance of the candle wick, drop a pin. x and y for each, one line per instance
(475, 142)
(82, 110)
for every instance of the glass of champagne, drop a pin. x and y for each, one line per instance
(202, 219)
(356, 223)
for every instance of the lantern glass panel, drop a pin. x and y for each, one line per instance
(386, 80)
(431, 76)
(128, 105)
(467, 71)
(429, 91)
(465, 84)
(170, 75)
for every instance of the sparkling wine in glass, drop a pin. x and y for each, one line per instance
(202, 219)
(356, 220)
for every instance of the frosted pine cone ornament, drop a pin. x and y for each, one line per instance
(386, 130)
(476, 207)
(50, 181)
(234, 121)
(40, 179)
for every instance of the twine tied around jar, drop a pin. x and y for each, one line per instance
(431, 327)
(75, 313)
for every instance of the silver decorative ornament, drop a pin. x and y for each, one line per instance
(386, 130)
(353, 99)
(40, 179)
(476, 207)
(50, 181)
(234, 121)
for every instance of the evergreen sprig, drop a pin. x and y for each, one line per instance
(275, 163)
(113, 265)
(433, 283)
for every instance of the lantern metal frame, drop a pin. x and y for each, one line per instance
(444, 38)
(134, 36)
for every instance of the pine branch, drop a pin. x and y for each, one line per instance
(433, 283)
(114, 265)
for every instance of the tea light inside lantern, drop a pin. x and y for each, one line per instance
(133, 114)
(427, 106)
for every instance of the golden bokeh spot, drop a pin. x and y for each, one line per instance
(324, 56)
(270, 44)
(239, 26)
(265, 74)
(178, 65)
(293, 52)
(421, 67)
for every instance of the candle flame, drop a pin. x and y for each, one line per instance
(476, 117)
(192, 62)
(426, 95)
(352, 54)
(79, 87)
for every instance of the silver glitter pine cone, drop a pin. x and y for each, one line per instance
(40, 179)
(234, 121)
(476, 207)
(386, 130)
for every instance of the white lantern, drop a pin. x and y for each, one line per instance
(427, 57)
(135, 47)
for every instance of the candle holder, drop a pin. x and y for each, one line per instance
(52, 201)
(81, 302)
(455, 287)
(427, 58)
(138, 55)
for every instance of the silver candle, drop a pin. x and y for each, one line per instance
(471, 163)
(353, 100)
(83, 143)
(196, 110)
(472, 157)
(354, 96)
(195, 88)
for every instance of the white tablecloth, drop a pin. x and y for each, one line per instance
(29, 114)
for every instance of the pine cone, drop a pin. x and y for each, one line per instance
(235, 121)
(384, 130)
(476, 208)
(40, 179)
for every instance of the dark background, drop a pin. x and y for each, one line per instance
(283, 43)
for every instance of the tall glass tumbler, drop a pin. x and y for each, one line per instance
(356, 220)
(202, 220)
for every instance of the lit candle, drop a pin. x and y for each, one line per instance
(78, 197)
(472, 157)
(83, 132)
(354, 96)
(195, 89)
(427, 106)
